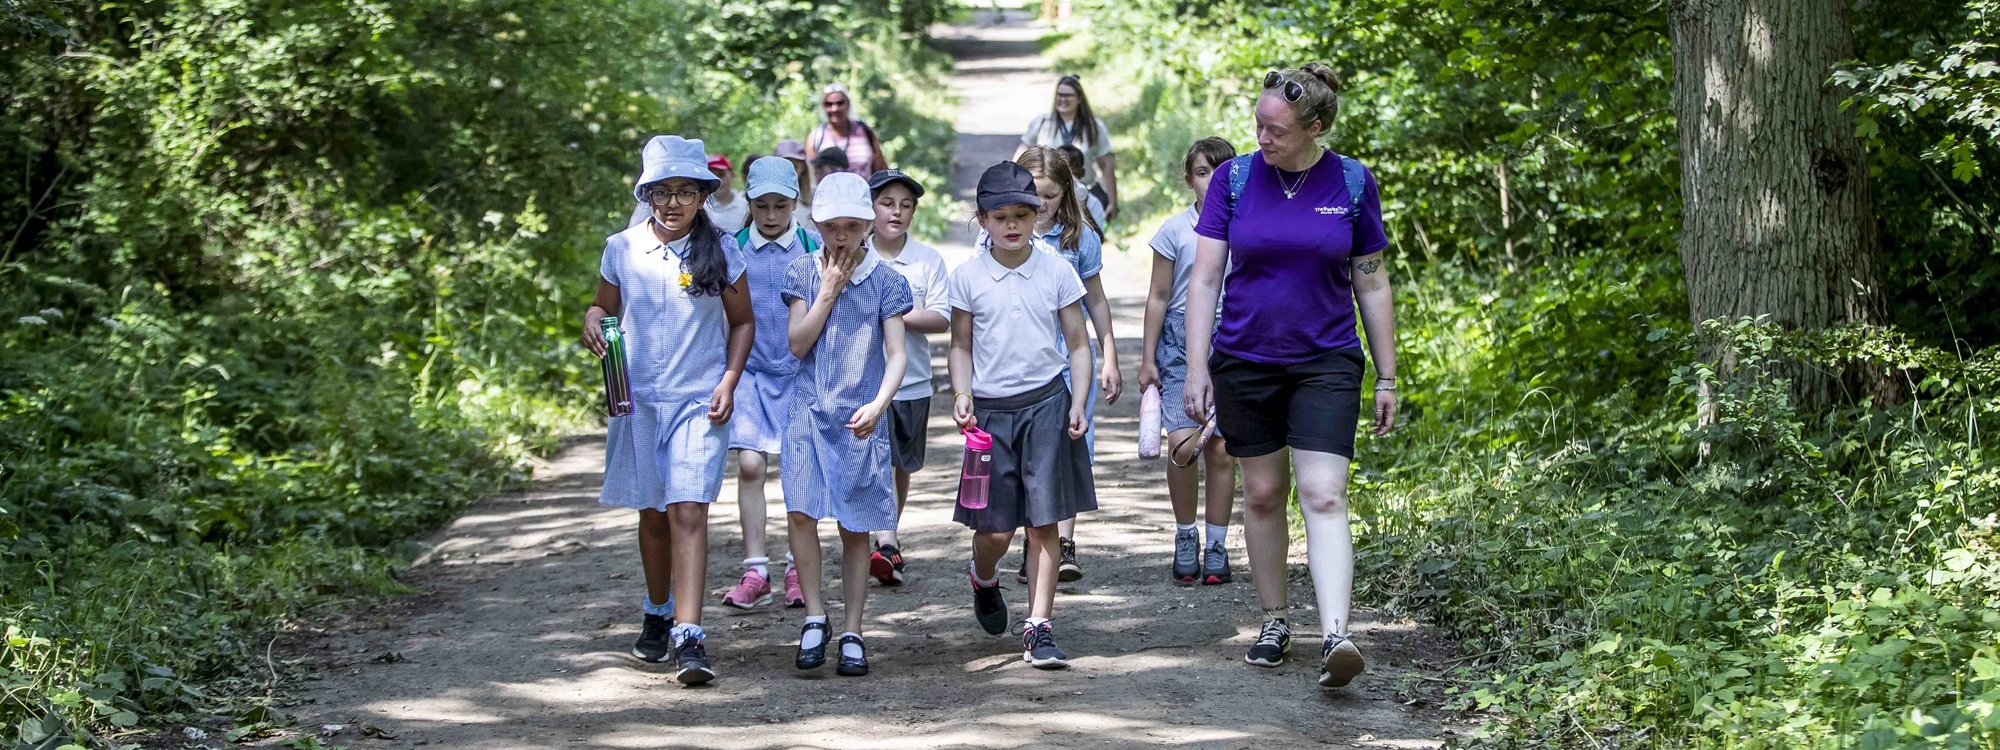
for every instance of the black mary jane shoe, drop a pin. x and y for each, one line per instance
(815, 657)
(855, 667)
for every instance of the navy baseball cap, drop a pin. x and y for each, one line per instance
(1007, 184)
(882, 179)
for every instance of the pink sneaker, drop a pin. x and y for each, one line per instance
(795, 597)
(753, 591)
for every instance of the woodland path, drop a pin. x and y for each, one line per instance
(529, 605)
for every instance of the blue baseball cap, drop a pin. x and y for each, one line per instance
(668, 156)
(771, 174)
(1007, 184)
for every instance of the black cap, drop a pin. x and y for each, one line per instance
(882, 179)
(831, 156)
(1007, 184)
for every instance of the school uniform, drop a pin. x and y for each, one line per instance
(1175, 241)
(829, 472)
(731, 215)
(763, 395)
(1039, 475)
(666, 451)
(923, 268)
(1087, 258)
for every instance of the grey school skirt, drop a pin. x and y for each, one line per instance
(1040, 475)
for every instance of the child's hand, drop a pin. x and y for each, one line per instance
(961, 412)
(864, 420)
(722, 405)
(1149, 376)
(1111, 382)
(832, 276)
(1077, 423)
(593, 331)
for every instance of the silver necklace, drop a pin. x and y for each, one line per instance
(1293, 189)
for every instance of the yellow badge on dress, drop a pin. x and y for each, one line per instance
(687, 279)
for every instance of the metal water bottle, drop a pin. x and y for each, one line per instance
(617, 387)
(978, 470)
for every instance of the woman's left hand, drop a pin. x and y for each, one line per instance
(1385, 411)
(722, 405)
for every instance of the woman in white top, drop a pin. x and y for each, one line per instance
(1069, 122)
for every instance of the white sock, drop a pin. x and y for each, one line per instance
(1217, 535)
(812, 637)
(789, 564)
(984, 584)
(850, 650)
(1183, 528)
(760, 564)
(1033, 621)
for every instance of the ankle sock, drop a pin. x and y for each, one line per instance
(850, 650)
(789, 564)
(1217, 535)
(660, 610)
(983, 583)
(684, 631)
(1033, 621)
(760, 564)
(812, 638)
(1183, 528)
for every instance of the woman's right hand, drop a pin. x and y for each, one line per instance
(593, 334)
(1198, 397)
(961, 412)
(1149, 376)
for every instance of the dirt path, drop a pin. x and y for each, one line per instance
(531, 600)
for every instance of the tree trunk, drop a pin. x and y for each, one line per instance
(1776, 216)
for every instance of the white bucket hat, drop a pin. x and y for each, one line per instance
(842, 195)
(668, 156)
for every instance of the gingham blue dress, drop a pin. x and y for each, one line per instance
(829, 473)
(764, 394)
(665, 451)
(1088, 260)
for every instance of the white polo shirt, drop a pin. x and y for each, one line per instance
(923, 267)
(1016, 333)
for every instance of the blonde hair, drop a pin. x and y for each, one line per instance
(1048, 164)
(1322, 93)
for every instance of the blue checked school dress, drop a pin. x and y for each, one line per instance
(764, 394)
(829, 472)
(666, 451)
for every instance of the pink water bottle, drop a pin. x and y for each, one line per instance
(978, 469)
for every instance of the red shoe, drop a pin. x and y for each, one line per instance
(795, 597)
(886, 565)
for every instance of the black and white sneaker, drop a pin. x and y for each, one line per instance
(1038, 647)
(655, 640)
(1271, 645)
(1187, 556)
(1339, 661)
(1068, 571)
(691, 660)
(989, 607)
(1215, 566)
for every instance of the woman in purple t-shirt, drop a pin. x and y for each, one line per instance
(1283, 379)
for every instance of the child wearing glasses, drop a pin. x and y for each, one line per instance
(677, 285)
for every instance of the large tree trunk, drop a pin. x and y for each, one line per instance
(1776, 216)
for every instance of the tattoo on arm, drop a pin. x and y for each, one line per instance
(1369, 266)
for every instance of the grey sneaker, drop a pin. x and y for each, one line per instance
(1215, 565)
(1339, 661)
(1187, 544)
(1271, 645)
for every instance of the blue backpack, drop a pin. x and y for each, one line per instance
(1239, 175)
(805, 240)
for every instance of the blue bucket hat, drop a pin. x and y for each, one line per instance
(771, 174)
(668, 156)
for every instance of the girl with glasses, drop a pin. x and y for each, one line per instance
(1069, 122)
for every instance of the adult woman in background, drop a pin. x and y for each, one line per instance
(840, 130)
(1069, 122)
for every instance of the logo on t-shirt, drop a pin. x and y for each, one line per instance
(1332, 210)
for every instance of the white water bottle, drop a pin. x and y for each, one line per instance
(1149, 423)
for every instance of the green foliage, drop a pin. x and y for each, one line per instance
(287, 284)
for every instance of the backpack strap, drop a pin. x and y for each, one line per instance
(1357, 183)
(806, 241)
(743, 238)
(1239, 176)
(1357, 180)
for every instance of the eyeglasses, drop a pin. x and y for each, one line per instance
(834, 103)
(1293, 91)
(1063, 97)
(664, 197)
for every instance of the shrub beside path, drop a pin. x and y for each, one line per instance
(519, 638)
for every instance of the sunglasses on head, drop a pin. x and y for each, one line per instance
(1293, 91)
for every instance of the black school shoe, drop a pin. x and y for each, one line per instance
(691, 659)
(855, 666)
(989, 607)
(1271, 645)
(655, 640)
(1038, 647)
(815, 657)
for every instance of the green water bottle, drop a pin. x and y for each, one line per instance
(617, 387)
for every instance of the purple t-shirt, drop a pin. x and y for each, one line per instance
(1291, 295)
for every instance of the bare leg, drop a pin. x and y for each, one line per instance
(1266, 492)
(987, 549)
(1221, 485)
(1181, 482)
(1329, 542)
(750, 500)
(1042, 571)
(688, 523)
(902, 498)
(656, 555)
(803, 531)
(855, 549)
(1067, 529)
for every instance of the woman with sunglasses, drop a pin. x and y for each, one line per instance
(1070, 123)
(1300, 228)
(839, 130)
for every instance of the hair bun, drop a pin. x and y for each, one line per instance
(1323, 73)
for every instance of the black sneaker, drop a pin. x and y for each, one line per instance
(855, 666)
(655, 640)
(989, 608)
(1069, 570)
(1038, 647)
(1271, 645)
(1187, 556)
(1339, 661)
(1022, 574)
(815, 657)
(692, 662)
(1215, 565)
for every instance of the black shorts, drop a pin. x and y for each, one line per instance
(1310, 406)
(908, 423)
